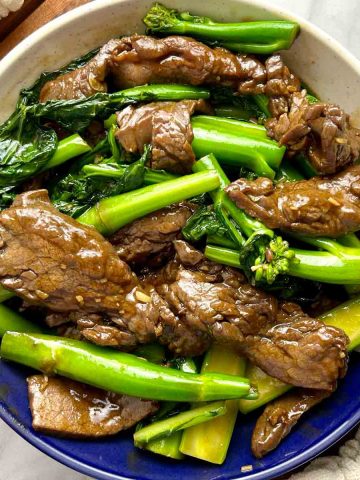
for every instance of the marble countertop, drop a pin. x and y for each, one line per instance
(340, 19)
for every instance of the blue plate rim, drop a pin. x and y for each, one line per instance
(278, 470)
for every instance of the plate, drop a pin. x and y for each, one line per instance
(115, 458)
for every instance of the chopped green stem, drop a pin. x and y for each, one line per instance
(260, 37)
(238, 127)
(349, 240)
(220, 199)
(221, 241)
(223, 255)
(233, 111)
(248, 150)
(157, 176)
(158, 93)
(106, 170)
(210, 441)
(110, 121)
(327, 244)
(67, 149)
(112, 213)
(119, 372)
(76, 114)
(311, 265)
(247, 224)
(12, 321)
(169, 446)
(178, 422)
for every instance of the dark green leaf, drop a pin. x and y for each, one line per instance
(245, 106)
(78, 191)
(203, 222)
(20, 159)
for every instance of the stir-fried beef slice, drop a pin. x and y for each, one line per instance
(83, 81)
(164, 125)
(280, 416)
(141, 59)
(177, 59)
(303, 352)
(322, 131)
(280, 339)
(51, 259)
(63, 407)
(281, 84)
(149, 240)
(322, 206)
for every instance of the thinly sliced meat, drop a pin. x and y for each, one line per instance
(53, 261)
(164, 125)
(322, 131)
(83, 81)
(141, 59)
(149, 240)
(63, 407)
(322, 206)
(280, 416)
(48, 257)
(279, 338)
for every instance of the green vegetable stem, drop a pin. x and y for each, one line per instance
(262, 37)
(183, 420)
(119, 372)
(110, 214)
(210, 441)
(246, 144)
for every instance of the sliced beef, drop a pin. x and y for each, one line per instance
(63, 407)
(141, 59)
(322, 206)
(280, 416)
(279, 338)
(53, 261)
(48, 257)
(149, 240)
(322, 131)
(164, 125)
(281, 84)
(299, 350)
(83, 81)
(178, 59)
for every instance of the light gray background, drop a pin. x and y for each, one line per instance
(21, 461)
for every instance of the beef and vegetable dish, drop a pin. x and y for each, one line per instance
(179, 239)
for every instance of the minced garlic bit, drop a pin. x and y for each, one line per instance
(42, 295)
(80, 298)
(334, 202)
(246, 468)
(142, 297)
